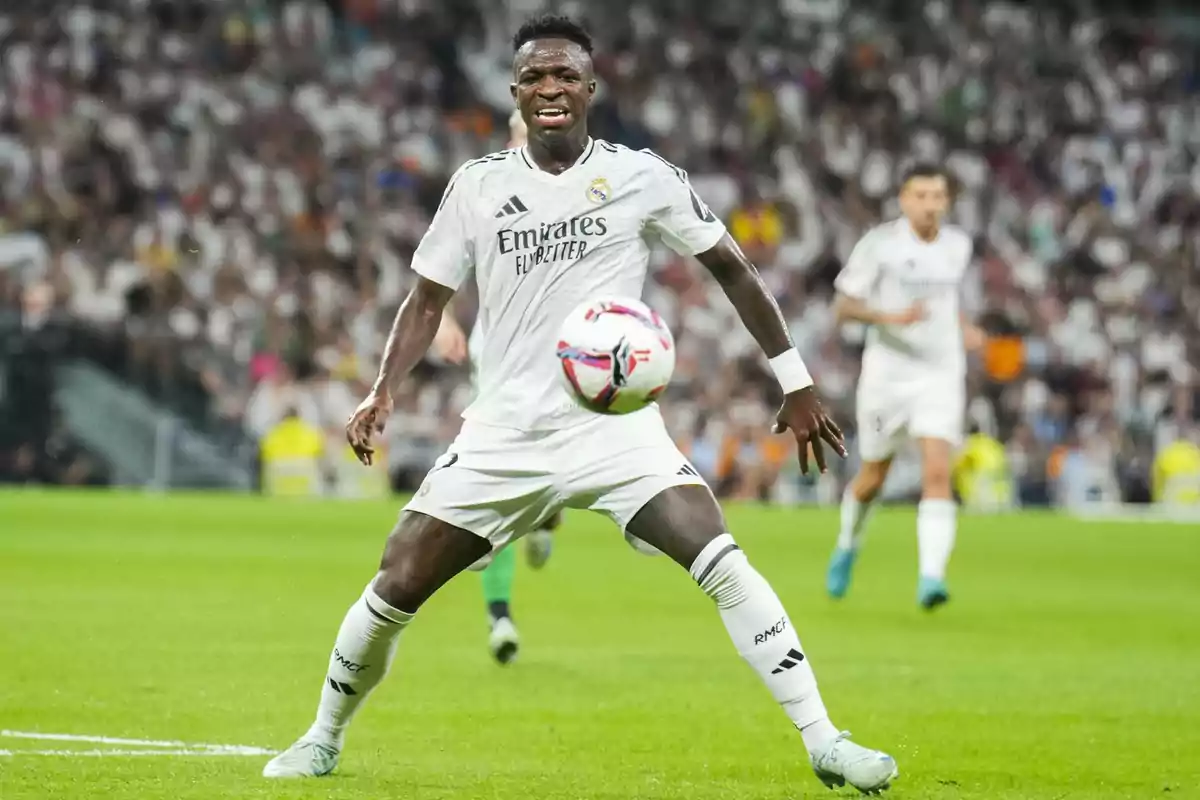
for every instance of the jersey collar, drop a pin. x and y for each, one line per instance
(588, 150)
(908, 231)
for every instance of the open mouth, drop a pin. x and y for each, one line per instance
(552, 117)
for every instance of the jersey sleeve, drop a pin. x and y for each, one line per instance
(446, 252)
(677, 214)
(861, 270)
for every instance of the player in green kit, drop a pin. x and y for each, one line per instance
(499, 569)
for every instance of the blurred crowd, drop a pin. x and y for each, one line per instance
(229, 193)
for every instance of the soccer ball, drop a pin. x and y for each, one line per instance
(617, 355)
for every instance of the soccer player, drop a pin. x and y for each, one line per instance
(1176, 473)
(545, 227)
(498, 568)
(903, 280)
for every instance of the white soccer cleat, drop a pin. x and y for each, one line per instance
(869, 771)
(538, 546)
(305, 759)
(644, 548)
(483, 563)
(503, 640)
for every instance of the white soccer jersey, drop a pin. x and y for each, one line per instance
(541, 244)
(474, 353)
(891, 269)
(475, 344)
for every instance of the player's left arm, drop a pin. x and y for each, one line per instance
(689, 227)
(802, 412)
(973, 336)
(745, 289)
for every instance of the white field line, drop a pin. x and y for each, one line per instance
(250, 751)
(168, 747)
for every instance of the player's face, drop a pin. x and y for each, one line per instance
(924, 200)
(553, 85)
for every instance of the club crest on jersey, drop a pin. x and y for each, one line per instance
(599, 191)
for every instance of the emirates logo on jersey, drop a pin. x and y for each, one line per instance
(550, 241)
(927, 285)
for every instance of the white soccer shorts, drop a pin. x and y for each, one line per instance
(892, 413)
(499, 483)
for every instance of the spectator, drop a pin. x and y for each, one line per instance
(220, 204)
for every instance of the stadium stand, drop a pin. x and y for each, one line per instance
(208, 211)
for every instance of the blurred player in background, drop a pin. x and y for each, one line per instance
(499, 569)
(903, 281)
(981, 474)
(1176, 475)
(543, 228)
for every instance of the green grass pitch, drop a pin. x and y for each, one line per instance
(1066, 666)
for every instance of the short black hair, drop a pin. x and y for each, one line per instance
(928, 169)
(553, 26)
(924, 169)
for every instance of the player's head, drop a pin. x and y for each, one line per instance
(925, 195)
(518, 133)
(553, 82)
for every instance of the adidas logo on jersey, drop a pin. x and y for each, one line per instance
(513, 206)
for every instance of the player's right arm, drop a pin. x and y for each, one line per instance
(855, 284)
(442, 262)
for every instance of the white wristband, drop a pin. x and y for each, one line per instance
(790, 371)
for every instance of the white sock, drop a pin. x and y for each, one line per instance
(854, 520)
(763, 635)
(936, 527)
(365, 646)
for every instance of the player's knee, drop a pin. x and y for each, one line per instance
(869, 481)
(401, 582)
(935, 473)
(935, 481)
(680, 522)
(422, 554)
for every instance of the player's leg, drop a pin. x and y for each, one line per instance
(469, 505)
(497, 581)
(879, 429)
(503, 639)
(422, 553)
(857, 501)
(936, 521)
(937, 426)
(686, 523)
(632, 472)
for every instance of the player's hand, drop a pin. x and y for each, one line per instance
(803, 414)
(914, 314)
(450, 342)
(366, 421)
(974, 337)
